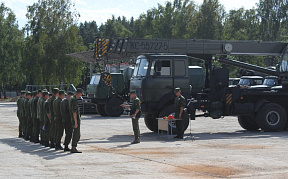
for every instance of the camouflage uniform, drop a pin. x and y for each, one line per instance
(40, 116)
(135, 121)
(179, 102)
(58, 120)
(67, 122)
(73, 107)
(47, 124)
(20, 110)
(29, 124)
(52, 126)
(35, 119)
(26, 118)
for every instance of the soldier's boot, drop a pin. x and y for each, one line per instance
(74, 150)
(36, 140)
(52, 144)
(26, 137)
(66, 148)
(31, 139)
(58, 147)
(20, 135)
(46, 144)
(136, 141)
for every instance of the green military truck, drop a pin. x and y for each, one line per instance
(159, 71)
(154, 79)
(108, 98)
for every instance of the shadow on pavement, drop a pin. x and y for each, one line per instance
(34, 149)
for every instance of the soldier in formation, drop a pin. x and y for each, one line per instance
(75, 115)
(20, 112)
(36, 118)
(52, 128)
(46, 117)
(58, 119)
(66, 119)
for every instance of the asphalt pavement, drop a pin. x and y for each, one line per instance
(221, 149)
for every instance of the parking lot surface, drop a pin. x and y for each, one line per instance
(221, 149)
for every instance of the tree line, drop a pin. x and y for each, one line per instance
(35, 54)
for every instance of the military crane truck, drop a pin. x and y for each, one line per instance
(164, 66)
(109, 97)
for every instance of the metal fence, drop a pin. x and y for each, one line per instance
(66, 87)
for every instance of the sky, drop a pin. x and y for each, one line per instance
(101, 10)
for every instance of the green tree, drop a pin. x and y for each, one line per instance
(88, 32)
(210, 20)
(52, 33)
(11, 39)
(274, 17)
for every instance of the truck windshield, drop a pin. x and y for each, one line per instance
(95, 80)
(247, 82)
(141, 67)
(270, 82)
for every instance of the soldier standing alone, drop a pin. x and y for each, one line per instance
(135, 114)
(75, 117)
(58, 119)
(179, 104)
(66, 119)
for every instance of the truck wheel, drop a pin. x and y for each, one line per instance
(151, 122)
(113, 108)
(170, 109)
(248, 123)
(101, 109)
(271, 118)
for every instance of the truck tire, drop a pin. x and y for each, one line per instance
(271, 118)
(113, 108)
(101, 109)
(170, 109)
(248, 122)
(151, 122)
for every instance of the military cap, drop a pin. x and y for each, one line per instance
(70, 93)
(177, 90)
(23, 92)
(39, 91)
(34, 93)
(50, 94)
(79, 90)
(29, 93)
(61, 92)
(44, 90)
(45, 93)
(55, 90)
(132, 92)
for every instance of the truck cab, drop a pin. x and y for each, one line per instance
(156, 76)
(247, 81)
(269, 82)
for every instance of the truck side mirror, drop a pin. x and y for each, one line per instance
(158, 66)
